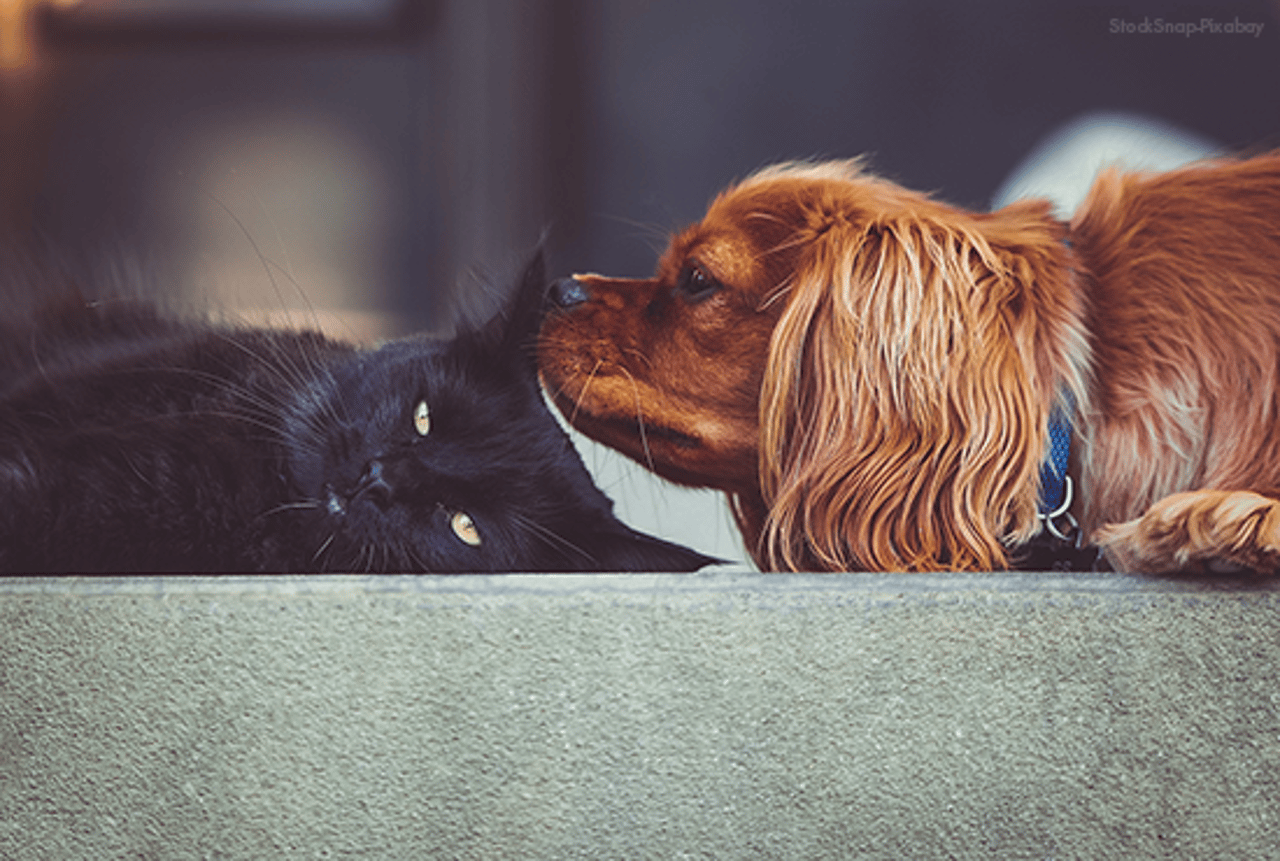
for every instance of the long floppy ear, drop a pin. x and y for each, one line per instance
(908, 387)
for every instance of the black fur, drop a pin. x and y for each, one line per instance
(130, 441)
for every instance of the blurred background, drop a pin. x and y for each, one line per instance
(382, 163)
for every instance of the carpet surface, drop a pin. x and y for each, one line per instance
(720, 715)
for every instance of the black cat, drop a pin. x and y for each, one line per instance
(130, 441)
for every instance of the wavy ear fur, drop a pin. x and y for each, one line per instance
(908, 387)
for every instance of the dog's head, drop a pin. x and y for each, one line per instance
(869, 366)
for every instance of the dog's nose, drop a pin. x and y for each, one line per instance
(567, 292)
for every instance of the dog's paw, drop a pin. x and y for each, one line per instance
(1199, 532)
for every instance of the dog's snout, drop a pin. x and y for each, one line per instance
(568, 292)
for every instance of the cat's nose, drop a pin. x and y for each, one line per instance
(373, 485)
(568, 292)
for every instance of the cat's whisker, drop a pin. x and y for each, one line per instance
(268, 264)
(268, 407)
(241, 417)
(325, 546)
(282, 365)
(260, 409)
(253, 243)
(325, 400)
(305, 505)
(416, 562)
(549, 536)
(296, 379)
(310, 378)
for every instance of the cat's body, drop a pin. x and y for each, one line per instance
(133, 442)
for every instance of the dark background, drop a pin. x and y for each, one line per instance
(455, 132)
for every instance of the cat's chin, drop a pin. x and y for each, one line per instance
(335, 504)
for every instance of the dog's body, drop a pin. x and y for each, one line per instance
(870, 373)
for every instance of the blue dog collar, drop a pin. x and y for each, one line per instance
(1056, 489)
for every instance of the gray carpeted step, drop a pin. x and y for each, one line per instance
(722, 716)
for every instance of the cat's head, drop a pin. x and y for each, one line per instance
(433, 455)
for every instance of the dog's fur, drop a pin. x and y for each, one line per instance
(869, 372)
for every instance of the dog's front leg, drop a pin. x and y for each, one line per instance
(1202, 531)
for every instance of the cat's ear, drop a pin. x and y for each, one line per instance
(624, 549)
(510, 336)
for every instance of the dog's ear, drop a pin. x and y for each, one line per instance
(907, 391)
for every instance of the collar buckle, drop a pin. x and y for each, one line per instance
(1059, 522)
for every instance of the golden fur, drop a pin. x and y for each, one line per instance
(869, 372)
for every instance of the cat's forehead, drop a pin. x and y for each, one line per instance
(424, 345)
(426, 364)
(408, 355)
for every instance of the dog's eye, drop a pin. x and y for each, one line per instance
(422, 418)
(696, 284)
(465, 528)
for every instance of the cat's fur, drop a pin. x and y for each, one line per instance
(130, 441)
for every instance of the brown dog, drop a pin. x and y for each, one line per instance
(870, 373)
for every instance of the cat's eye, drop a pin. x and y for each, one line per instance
(422, 418)
(465, 528)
